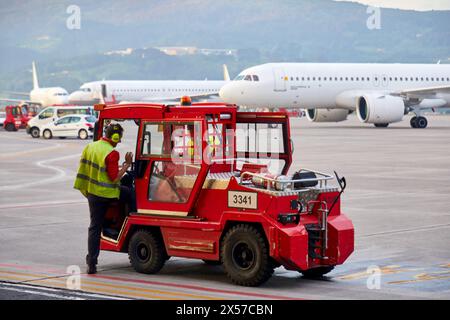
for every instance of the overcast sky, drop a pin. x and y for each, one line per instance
(408, 4)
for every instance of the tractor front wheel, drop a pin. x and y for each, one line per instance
(245, 256)
(146, 252)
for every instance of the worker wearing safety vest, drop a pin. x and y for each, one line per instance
(98, 179)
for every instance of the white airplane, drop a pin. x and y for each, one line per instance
(147, 90)
(42, 96)
(379, 93)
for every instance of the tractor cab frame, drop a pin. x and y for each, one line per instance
(213, 183)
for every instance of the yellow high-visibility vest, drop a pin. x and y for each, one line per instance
(92, 176)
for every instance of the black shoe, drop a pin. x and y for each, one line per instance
(91, 269)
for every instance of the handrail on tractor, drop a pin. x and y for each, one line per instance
(321, 180)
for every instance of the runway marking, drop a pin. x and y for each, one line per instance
(425, 277)
(56, 282)
(159, 293)
(21, 153)
(45, 278)
(40, 293)
(154, 283)
(193, 287)
(41, 204)
(393, 269)
(437, 226)
(60, 174)
(69, 292)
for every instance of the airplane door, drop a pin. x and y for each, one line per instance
(279, 78)
(104, 91)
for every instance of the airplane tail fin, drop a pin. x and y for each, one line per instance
(226, 75)
(35, 78)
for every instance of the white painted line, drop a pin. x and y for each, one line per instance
(72, 294)
(42, 204)
(51, 295)
(58, 176)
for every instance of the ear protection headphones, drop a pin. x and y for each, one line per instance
(115, 137)
(115, 132)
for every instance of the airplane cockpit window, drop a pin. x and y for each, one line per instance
(239, 77)
(256, 78)
(248, 78)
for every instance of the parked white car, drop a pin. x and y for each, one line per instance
(74, 125)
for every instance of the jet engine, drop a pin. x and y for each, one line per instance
(380, 109)
(326, 115)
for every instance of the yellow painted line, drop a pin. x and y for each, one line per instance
(12, 278)
(139, 289)
(393, 269)
(424, 277)
(83, 280)
(153, 290)
(95, 289)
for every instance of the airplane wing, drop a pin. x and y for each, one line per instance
(16, 93)
(19, 101)
(423, 92)
(411, 97)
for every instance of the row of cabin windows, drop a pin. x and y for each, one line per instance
(368, 79)
(247, 77)
(163, 90)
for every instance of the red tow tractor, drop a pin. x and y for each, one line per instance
(13, 119)
(212, 183)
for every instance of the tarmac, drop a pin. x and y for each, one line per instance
(398, 197)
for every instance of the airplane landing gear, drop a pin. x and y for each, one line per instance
(419, 122)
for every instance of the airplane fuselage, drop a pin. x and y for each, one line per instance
(320, 85)
(151, 90)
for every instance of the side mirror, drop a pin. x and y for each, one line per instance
(41, 117)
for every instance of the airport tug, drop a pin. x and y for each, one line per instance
(207, 188)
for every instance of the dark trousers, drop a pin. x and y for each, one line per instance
(98, 206)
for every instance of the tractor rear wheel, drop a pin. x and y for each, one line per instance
(146, 252)
(245, 256)
(10, 127)
(317, 272)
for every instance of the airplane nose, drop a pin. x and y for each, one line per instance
(225, 93)
(74, 97)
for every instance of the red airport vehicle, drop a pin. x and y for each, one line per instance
(14, 118)
(28, 112)
(206, 188)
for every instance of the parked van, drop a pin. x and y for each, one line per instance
(52, 114)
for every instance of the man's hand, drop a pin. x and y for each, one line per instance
(129, 158)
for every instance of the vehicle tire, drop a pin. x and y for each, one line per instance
(381, 125)
(47, 134)
(34, 132)
(316, 272)
(422, 122)
(413, 122)
(212, 262)
(245, 256)
(83, 134)
(10, 127)
(146, 252)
